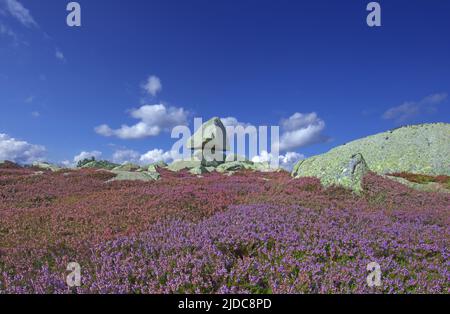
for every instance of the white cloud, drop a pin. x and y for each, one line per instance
(299, 121)
(298, 130)
(286, 161)
(154, 119)
(152, 156)
(403, 112)
(411, 109)
(59, 55)
(156, 155)
(232, 121)
(84, 155)
(104, 130)
(19, 12)
(153, 85)
(20, 151)
(126, 155)
(36, 114)
(301, 130)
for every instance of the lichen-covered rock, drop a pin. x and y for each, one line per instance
(235, 165)
(184, 165)
(426, 187)
(420, 149)
(263, 167)
(154, 167)
(134, 176)
(211, 133)
(208, 158)
(127, 167)
(199, 170)
(46, 166)
(349, 172)
(101, 164)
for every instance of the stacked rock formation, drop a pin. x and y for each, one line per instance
(209, 143)
(208, 146)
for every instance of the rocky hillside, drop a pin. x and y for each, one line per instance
(419, 149)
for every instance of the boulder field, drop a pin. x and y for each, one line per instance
(419, 149)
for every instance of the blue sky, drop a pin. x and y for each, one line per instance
(313, 67)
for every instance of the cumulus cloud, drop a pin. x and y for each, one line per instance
(301, 130)
(156, 155)
(232, 121)
(19, 12)
(125, 155)
(152, 86)
(286, 161)
(153, 120)
(152, 156)
(410, 109)
(20, 151)
(85, 155)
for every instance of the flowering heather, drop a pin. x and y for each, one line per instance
(247, 233)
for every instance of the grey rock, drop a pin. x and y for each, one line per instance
(419, 149)
(127, 167)
(134, 176)
(184, 165)
(46, 166)
(212, 134)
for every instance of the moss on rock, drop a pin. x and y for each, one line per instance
(420, 149)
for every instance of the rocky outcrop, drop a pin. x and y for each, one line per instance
(184, 165)
(46, 166)
(209, 143)
(212, 132)
(420, 149)
(235, 165)
(102, 164)
(127, 167)
(134, 176)
(208, 146)
(155, 166)
(199, 170)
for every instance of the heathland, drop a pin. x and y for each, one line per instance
(232, 230)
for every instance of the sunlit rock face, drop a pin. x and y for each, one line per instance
(420, 149)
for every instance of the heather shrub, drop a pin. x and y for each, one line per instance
(247, 233)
